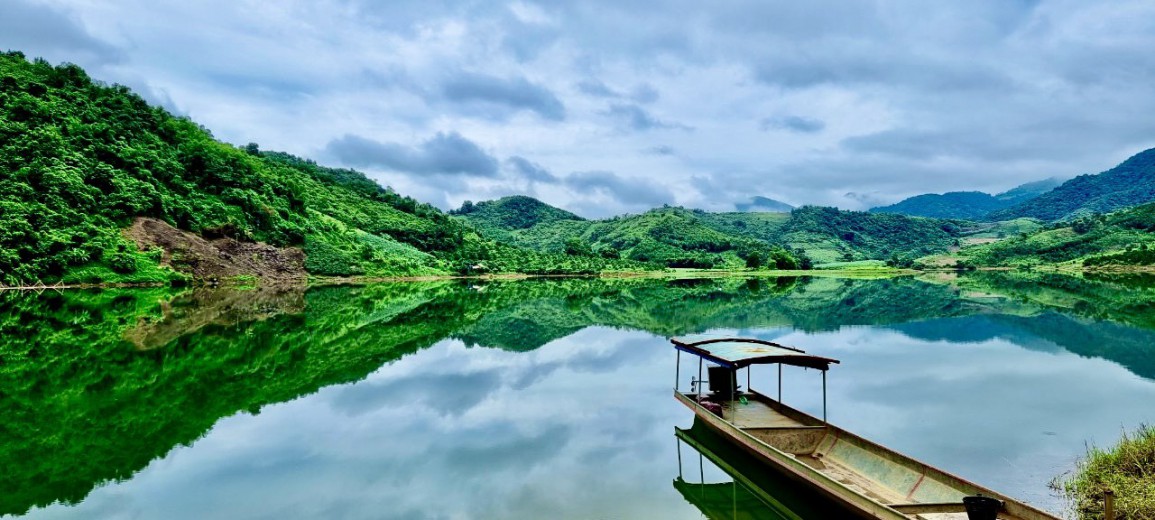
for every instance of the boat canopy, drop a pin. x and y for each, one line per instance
(737, 353)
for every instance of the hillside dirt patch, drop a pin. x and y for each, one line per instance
(219, 259)
(220, 306)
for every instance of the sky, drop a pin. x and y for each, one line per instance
(616, 107)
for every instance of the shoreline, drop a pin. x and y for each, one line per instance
(325, 281)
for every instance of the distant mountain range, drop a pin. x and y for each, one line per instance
(967, 205)
(1129, 184)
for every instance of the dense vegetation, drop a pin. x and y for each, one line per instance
(513, 212)
(967, 205)
(79, 160)
(829, 235)
(1131, 183)
(824, 233)
(1127, 469)
(1120, 238)
(671, 237)
(678, 237)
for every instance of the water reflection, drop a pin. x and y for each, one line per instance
(725, 483)
(530, 399)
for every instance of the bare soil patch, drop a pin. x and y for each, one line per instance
(222, 258)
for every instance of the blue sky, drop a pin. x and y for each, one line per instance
(610, 107)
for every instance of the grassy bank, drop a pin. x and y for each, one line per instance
(246, 281)
(1128, 469)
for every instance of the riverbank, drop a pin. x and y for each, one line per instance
(854, 273)
(361, 280)
(1127, 470)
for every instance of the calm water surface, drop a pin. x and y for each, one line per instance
(537, 399)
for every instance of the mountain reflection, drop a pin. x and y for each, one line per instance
(96, 384)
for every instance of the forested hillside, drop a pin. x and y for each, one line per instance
(1128, 184)
(679, 237)
(80, 160)
(1121, 238)
(968, 205)
(672, 237)
(513, 212)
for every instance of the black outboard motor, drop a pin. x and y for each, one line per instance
(982, 508)
(723, 381)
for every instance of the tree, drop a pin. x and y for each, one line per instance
(577, 247)
(754, 260)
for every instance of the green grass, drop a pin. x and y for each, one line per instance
(1128, 469)
(1003, 229)
(854, 266)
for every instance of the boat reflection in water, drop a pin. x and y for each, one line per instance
(752, 492)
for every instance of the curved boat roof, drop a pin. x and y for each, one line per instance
(743, 352)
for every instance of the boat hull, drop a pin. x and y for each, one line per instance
(915, 487)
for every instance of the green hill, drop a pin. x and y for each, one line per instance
(678, 237)
(1120, 238)
(968, 205)
(514, 212)
(80, 161)
(1128, 184)
(671, 237)
(1028, 191)
(828, 235)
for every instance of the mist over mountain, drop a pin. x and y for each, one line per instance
(759, 203)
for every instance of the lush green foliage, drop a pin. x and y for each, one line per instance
(832, 235)
(79, 160)
(1142, 255)
(1000, 229)
(677, 237)
(969, 205)
(670, 237)
(514, 212)
(1120, 238)
(1127, 469)
(1128, 184)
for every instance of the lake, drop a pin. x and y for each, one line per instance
(538, 398)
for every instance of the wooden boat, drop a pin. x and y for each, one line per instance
(863, 477)
(752, 493)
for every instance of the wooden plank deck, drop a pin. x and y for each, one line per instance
(756, 414)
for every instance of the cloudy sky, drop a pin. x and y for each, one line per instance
(610, 107)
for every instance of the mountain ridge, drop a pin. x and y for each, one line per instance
(967, 205)
(1130, 183)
